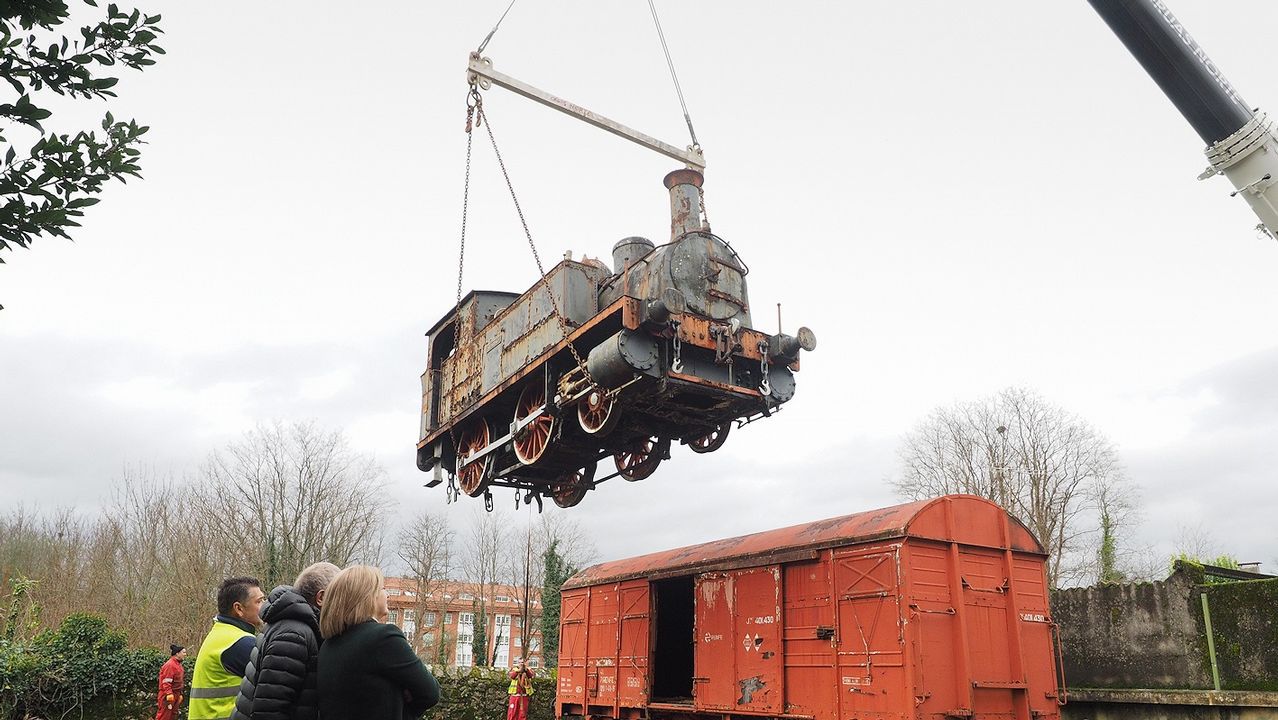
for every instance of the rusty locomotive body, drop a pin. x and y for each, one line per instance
(532, 390)
(932, 610)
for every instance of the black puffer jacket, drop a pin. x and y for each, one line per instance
(280, 681)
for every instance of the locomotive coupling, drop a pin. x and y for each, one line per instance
(786, 347)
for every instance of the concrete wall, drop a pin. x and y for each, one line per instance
(1153, 635)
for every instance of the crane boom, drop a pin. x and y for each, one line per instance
(1241, 144)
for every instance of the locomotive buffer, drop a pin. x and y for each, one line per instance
(532, 390)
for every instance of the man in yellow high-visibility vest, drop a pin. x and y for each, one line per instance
(224, 654)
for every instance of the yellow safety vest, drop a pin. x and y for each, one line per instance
(213, 689)
(514, 687)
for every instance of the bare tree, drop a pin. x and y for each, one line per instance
(1046, 466)
(482, 561)
(285, 496)
(526, 566)
(426, 549)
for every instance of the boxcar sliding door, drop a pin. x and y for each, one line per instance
(872, 681)
(737, 635)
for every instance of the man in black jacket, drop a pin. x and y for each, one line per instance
(280, 681)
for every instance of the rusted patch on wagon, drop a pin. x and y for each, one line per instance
(748, 688)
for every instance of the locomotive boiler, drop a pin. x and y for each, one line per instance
(533, 390)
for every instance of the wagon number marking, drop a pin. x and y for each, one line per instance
(762, 620)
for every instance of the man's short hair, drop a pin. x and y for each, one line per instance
(313, 579)
(234, 590)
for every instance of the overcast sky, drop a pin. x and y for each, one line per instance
(956, 197)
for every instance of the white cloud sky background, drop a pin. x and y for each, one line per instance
(955, 197)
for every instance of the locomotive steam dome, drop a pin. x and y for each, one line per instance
(628, 251)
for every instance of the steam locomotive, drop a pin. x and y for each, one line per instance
(532, 390)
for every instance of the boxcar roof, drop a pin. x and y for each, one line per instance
(965, 519)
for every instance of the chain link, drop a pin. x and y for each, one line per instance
(765, 387)
(545, 282)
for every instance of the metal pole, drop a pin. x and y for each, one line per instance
(1211, 644)
(481, 72)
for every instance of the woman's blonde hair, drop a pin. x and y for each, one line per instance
(350, 599)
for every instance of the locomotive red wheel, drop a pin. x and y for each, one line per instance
(712, 440)
(472, 477)
(642, 459)
(532, 441)
(596, 413)
(568, 490)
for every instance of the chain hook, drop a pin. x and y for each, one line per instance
(676, 365)
(765, 387)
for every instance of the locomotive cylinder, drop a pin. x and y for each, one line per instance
(613, 362)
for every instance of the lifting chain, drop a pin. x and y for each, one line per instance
(765, 387)
(676, 363)
(481, 119)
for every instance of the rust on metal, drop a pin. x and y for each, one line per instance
(533, 365)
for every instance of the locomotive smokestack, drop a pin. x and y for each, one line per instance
(1180, 67)
(685, 202)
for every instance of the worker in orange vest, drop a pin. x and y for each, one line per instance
(520, 689)
(172, 682)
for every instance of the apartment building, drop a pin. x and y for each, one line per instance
(439, 620)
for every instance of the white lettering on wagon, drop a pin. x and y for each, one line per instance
(1034, 617)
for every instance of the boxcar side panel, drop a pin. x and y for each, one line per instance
(758, 685)
(808, 637)
(871, 659)
(602, 645)
(939, 652)
(1030, 593)
(573, 625)
(713, 656)
(632, 664)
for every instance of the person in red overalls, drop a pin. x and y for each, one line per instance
(520, 688)
(172, 682)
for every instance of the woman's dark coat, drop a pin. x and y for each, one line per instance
(280, 681)
(370, 673)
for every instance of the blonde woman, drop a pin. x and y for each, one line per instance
(367, 671)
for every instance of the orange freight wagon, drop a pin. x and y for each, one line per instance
(933, 609)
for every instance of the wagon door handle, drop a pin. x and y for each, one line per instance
(700, 679)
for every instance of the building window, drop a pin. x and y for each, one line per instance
(534, 644)
(502, 621)
(429, 618)
(463, 654)
(410, 628)
(502, 598)
(428, 638)
(410, 614)
(519, 642)
(448, 618)
(410, 593)
(465, 596)
(465, 638)
(394, 617)
(467, 619)
(394, 591)
(534, 662)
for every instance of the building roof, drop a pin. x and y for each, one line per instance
(965, 519)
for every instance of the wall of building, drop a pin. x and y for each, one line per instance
(1153, 635)
(445, 614)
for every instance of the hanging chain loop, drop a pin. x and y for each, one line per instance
(482, 119)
